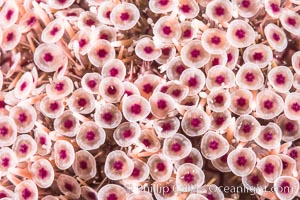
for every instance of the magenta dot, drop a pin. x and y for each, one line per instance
(224, 158)
(166, 127)
(10, 36)
(147, 88)
(195, 53)
(112, 196)
(219, 11)
(23, 86)
(219, 121)
(240, 33)
(187, 33)
(293, 154)
(166, 51)
(269, 168)
(26, 193)
(210, 196)
(246, 128)
(195, 122)
(43, 173)
(193, 82)
(102, 53)
(188, 178)
(31, 21)
(285, 187)
(289, 126)
(219, 99)
(71, 14)
(291, 21)
(215, 40)
(162, 104)
(69, 187)
(63, 154)
(107, 14)
(125, 16)
(2, 195)
(9, 14)
(136, 109)
(164, 89)
(220, 79)
(22, 117)
(42, 140)
(135, 172)
(176, 147)
(23, 148)
(107, 116)
(229, 57)
(249, 77)
(127, 133)
(280, 79)
(241, 102)
(54, 31)
(68, 124)
(276, 37)
(129, 93)
(2, 104)
(92, 195)
(146, 142)
(62, 1)
(48, 57)
(163, 2)
(104, 37)
(54, 106)
(118, 165)
(82, 42)
(90, 135)
(258, 56)
(255, 180)
(215, 62)
(241, 161)
(3, 131)
(275, 7)
(268, 136)
(180, 69)
(214, 145)
(295, 107)
(167, 30)
(92, 84)
(90, 22)
(148, 50)
(285, 164)
(5, 162)
(82, 102)
(83, 164)
(245, 3)
(111, 90)
(160, 166)
(268, 104)
(185, 8)
(59, 86)
(176, 93)
(189, 159)
(113, 72)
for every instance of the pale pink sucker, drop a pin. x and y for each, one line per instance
(213, 145)
(219, 11)
(276, 37)
(112, 191)
(269, 136)
(167, 28)
(43, 173)
(247, 8)
(127, 133)
(177, 147)
(162, 6)
(189, 177)
(64, 154)
(84, 165)
(247, 128)
(118, 165)
(160, 167)
(286, 187)
(26, 190)
(107, 116)
(68, 186)
(90, 136)
(124, 16)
